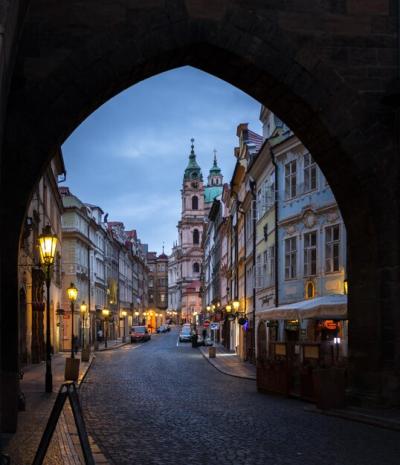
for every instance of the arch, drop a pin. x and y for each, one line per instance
(196, 236)
(195, 202)
(261, 341)
(196, 267)
(271, 54)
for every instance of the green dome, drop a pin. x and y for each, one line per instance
(193, 170)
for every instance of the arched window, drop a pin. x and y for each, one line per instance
(196, 268)
(196, 236)
(195, 202)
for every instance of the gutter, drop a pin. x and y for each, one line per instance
(276, 227)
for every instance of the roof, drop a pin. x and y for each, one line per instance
(254, 138)
(211, 192)
(333, 306)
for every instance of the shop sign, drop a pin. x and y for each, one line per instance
(292, 325)
(330, 324)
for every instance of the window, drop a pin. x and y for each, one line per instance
(259, 272)
(290, 258)
(271, 267)
(290, 179)
(195, 202)
(332, 248)
(162, 298)
(196, 268)
(310, 173)
(310, 290)
(310, 254)
(265, 266)
(196, 236)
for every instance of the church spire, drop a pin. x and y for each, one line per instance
(193, 170)
(215, 175)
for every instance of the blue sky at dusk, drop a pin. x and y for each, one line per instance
(129, 156)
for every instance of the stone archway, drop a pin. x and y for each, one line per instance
(306, 64)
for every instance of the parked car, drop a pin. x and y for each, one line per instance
(186, 334)
(139, 333)
(162, 329)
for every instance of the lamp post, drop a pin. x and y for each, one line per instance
(47, 247)
(83, 317)
(72, 293)
(105, 312)
(124, 314)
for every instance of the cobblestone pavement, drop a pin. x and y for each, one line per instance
(162, 403)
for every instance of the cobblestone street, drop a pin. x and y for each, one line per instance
(162, 403)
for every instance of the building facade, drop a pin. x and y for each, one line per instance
(45, 208)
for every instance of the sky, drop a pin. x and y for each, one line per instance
(128, 157)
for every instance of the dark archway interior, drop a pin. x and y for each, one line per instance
(305, 65)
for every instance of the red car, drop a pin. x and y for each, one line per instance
(139, 333)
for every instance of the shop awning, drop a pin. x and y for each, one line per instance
(327, 307)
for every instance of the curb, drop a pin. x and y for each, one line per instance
(113, 347)
(223, 371)
(358, 417)
(82, 380)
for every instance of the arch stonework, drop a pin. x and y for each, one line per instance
(323, 67)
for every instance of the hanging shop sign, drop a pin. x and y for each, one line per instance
(331, 325)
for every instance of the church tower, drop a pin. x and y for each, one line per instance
(190, 230)
(214, 185)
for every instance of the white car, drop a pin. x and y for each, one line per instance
(186, 334)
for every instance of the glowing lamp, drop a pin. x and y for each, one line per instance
(345, 286)
(83, 307)
(105, 312)
(72, 293)
(124, 313)
(236, 305)
(136, 313)
(208, 308)
(228, 308)
(47, 246)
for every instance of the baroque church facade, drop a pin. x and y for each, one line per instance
(184, 266)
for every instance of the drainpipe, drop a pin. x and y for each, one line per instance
(276, 226)
(254, 220)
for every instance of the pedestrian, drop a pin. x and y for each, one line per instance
(100, 335)
(204, 334)
(195, 336)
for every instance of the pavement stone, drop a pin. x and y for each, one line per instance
(161, 403)
(64, 448)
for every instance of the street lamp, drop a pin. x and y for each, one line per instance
(47, 248)
(105, 312)
(72, 293)
(83, 317)
(236, 305)
(124, 314)
(228, 308)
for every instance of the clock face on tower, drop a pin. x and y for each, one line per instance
(195, 185)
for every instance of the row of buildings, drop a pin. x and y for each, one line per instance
(261, 260)
(110, 266)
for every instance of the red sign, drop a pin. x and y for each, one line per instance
(66, 317)
(206, 324)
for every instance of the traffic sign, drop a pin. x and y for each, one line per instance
(214, 326)
(206, 324)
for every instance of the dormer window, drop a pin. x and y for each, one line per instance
(195, 202)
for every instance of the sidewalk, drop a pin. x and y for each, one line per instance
(113, 344)
(229, 363)
(64, 447)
